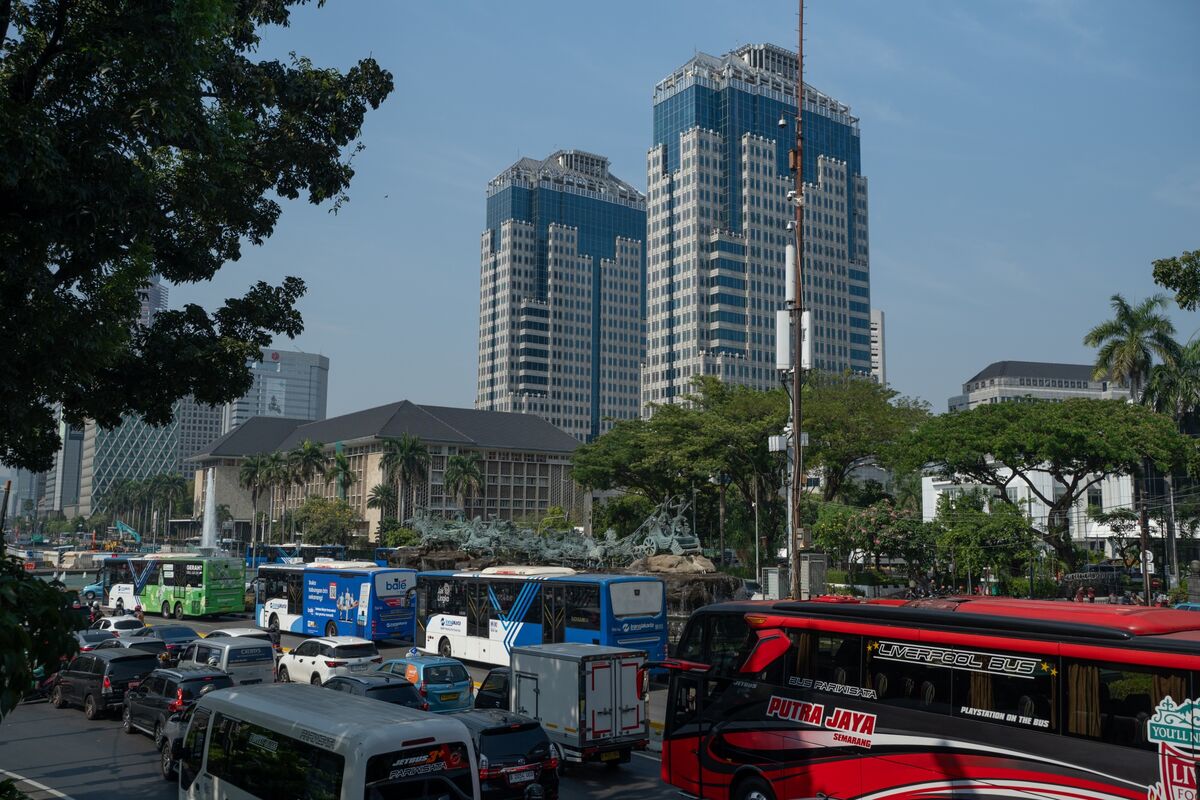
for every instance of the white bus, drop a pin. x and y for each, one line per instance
(300, 742)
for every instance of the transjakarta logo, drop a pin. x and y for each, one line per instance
(633, 627)
(958, 659)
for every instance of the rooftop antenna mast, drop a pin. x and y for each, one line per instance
(798, 534)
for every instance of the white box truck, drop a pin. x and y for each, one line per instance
(588, 697)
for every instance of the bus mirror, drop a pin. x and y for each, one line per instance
(772, 643)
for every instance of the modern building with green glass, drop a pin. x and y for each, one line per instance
(562, 271)
(717, 217)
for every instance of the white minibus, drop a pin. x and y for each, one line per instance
(246, 660)
(301, 742)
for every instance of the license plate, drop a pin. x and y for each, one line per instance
(358, 667)
(520, 777)
(611, 755)
(447, 698)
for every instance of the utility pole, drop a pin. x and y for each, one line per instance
(799, 535)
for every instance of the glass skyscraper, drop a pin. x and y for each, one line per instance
(717, 215)
(562, 270)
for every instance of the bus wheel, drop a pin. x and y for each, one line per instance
(166, 611)
(444, 648)
(273, 623)
(179, 611)
(753, 788)
(331, 628)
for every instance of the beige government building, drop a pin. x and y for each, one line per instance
(525, 461)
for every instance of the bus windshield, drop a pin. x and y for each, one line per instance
(636, 598)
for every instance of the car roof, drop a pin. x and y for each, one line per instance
(227, 642)
(232, 632)
(189, 673)
(375, 679)
(425, 661)
(117, 653)
(336, 640)
(128, 641)
(479, 719)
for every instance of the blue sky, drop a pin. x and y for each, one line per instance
(1025, 158)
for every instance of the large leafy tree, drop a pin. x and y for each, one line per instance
(1128, 343)
(35, 629)
(326, 520)
(1181, 274)
(852, 421)
(143, 139)
(1077, 443)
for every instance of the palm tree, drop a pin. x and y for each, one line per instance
(1174, 386)
(1129, 342)
(404, 459)
(252, 477)
(383, 497)
(339, 470)
(463, 477)
(275, 476)
(306, 460)
(172, 488)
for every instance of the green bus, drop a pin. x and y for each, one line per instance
(173, 584)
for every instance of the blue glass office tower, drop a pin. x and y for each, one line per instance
(717, 215)
(562, 276)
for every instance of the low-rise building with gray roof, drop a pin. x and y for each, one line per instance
(1026, 381)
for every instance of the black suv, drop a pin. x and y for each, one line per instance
(393, 689)
(514, 753)
(98, 680)
(165, 692)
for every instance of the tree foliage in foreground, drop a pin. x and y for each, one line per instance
(145, 139)
(34, 630)
(1181, 274)
(1077, 443)
(326, 520)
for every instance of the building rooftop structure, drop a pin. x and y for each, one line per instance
(1027, 381)
(574, 171)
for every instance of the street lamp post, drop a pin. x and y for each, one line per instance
(757, 573)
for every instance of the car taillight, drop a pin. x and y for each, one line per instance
(176, 704)
(421, 689)
(87, 648)
(335, 663)
(377, 660)
(424, 706)
(106, 687)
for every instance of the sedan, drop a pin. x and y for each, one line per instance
(120, 626)
(176, 637)
(88, 639)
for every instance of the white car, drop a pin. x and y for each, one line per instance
(246, 633)
(317, 660)
(121, 626)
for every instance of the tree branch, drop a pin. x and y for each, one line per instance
(5, 17)
(22, 90)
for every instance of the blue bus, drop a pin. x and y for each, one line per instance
(382, 554)
(336, 598)
(481, 616)
(292, 553)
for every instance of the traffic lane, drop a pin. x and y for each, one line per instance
(82, 759)
(639, 778)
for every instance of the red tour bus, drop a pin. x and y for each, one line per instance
(966, 697)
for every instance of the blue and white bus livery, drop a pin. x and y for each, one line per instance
(336, 598)
(481, 616)
(292, 553)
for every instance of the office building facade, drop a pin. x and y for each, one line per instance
(1026, 381)
(878, 348)
(562, 270)
(717, 216)
(287, 383)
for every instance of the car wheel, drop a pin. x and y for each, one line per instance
(179, 611)
(283, 675)
(331, 628)
(158, 733)
(91, 709)
(166, 765)
(316, 679)
(119, 608)
(127, 721)
(753, 788)
(57, 699)
(89, 596)
(166, 611)
(444, 649)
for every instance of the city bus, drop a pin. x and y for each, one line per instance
(182, 585)
(336, 598)
(481, 616)
(292, 553)
(978, 697)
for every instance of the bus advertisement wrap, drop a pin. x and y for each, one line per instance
(331, 599)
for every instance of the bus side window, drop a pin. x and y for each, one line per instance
(918, 686)
(192, 755)
(827, 657)
(1113, 702)
(691, 643)
(726, 643)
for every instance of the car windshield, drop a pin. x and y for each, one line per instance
(494, 683)
(193, 688)
(525, 741)
(122, 668)
(127, 624)
(446, 673)
(366, 650)
(175, 633)
(400, 694)
(96, 636)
